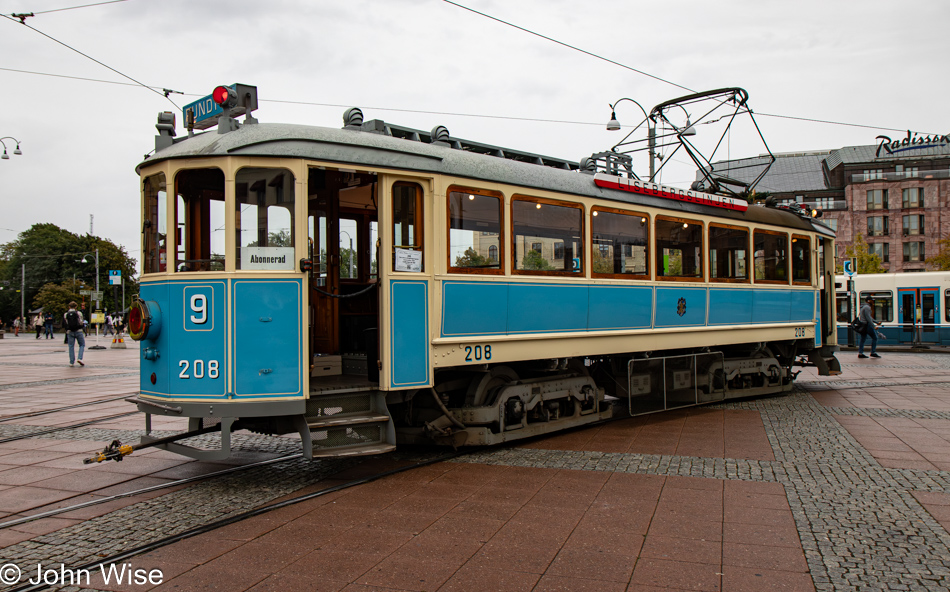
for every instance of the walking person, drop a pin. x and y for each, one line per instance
(16, 327)
(870, 328)
(109, 330)
(48, 323)
(73, 322)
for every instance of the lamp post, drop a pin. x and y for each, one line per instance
(98, 298)
(16, 150)
(350, 254)
(614, 125)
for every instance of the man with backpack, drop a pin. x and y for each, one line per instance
(73, 322)
(870, 328)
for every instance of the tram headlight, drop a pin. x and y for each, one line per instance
(145, 319)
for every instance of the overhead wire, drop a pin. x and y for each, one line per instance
(75, 7)
(104, 65)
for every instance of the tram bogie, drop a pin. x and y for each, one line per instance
(372, 285)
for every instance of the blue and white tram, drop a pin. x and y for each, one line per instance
(375, 283)
(913, 307)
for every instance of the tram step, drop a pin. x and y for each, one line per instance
(354, 451)
(339, 420)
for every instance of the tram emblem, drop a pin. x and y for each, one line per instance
(681, 307)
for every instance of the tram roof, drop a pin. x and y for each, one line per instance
(356, 148)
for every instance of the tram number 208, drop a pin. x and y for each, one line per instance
(198, 369)
(477, 353)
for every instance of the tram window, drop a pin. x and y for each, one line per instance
(679, 249)
(350, 255)
(801, 260)
(771, 256)
(317, 231)
(264, 219)
(946, 305)
(407, 227)
(474, 230)
(537, 226)
(728, 253)
(883, 304)
(155, 225)
(200, 216)
(843, 305)
(619, 243)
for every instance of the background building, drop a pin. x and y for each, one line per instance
(894, 194)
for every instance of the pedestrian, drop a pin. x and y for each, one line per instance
(16, 327)
(109, 330)
(38, 324)
(73, 322)
(48, 323)
(119, 324)
(870, 328)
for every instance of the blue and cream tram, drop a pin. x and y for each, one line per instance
(912, 307)
(373, 284)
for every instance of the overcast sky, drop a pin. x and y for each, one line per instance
(873, 63)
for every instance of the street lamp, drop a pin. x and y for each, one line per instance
(16, 150)
(98, 296)
(614, 125)
(350, 254)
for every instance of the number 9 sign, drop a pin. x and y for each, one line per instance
(198, 313)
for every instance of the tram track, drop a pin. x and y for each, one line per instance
(66, 427)
(220, 523)
(66, 408)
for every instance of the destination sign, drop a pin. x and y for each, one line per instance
(652, 189)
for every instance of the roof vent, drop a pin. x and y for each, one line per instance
(353, 118)
(588, 166)
(440, 136)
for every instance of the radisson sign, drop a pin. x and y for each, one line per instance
(911, 142)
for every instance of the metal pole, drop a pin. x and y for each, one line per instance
(98, 303)
(22, 294)
(651, 147)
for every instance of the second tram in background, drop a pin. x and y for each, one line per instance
(913, 307)
(375, 283)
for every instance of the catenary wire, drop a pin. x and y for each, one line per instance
(35, 12)
(85, 55)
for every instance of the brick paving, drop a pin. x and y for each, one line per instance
(840, 485)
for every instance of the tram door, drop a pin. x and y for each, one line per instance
(344, 306)
(918, 312)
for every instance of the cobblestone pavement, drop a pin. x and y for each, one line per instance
(860, 524)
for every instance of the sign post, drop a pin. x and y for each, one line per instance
(851, 270)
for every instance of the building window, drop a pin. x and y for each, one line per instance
(877, 226)
(877, 199)
(873, 174)
(493, 253)
(912, 197)
(913, 225)
(831, 223)
(559, 250)
(879, 249)
(914, 252)
(728, 253)
(536, 247)
(908, 172)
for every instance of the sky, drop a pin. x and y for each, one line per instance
(876, 65)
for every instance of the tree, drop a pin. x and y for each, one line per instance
(51, 255)
(55, 298)
(533, 260)
(601, 263)
(866, 262)
(941, 261)
(471, 258)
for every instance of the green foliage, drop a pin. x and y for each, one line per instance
(55, 298)
(52, 255)
(471, 258)
(601, 263)
(276, 239)
(533, 260)
(866, 262)
(941, 261)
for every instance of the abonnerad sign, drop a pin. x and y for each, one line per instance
(268, 258)
(911, 142)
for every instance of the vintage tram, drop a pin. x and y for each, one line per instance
(376, 284)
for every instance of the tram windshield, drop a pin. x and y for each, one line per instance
(155, 225)
(199, 215)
